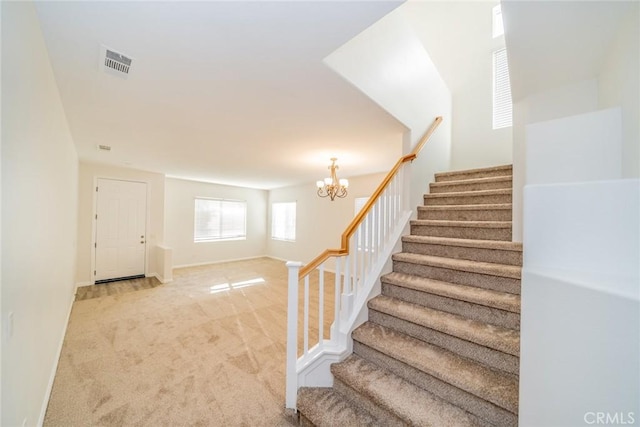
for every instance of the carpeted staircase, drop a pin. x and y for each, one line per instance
(441, 347)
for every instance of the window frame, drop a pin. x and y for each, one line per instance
(221, 236)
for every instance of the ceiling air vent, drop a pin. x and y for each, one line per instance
(104, 147)
(114, 63)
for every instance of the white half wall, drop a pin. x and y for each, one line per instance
(586, 147)
(580, 323)
(180, 215)
(576, 98)
(319, 221)
(89, 172)
(39, 211)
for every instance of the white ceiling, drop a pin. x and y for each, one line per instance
(227, 92)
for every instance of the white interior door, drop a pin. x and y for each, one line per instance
(120, 229)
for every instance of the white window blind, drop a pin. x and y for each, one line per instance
(219, 220)
(283, 221)
(502, 108)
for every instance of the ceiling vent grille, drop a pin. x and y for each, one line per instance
(114, 63)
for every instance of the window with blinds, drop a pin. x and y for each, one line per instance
(283, 221)
(502, 108)
(217, 219)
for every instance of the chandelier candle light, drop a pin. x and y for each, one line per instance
(332, 186)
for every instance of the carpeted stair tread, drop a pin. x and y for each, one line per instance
(502, 170)
(409, 403)
(497, 206)
(492, 269)
(504, 178)
(494, 299)
(495, 337)
(493, 386)
(467, 243)
(478, 193)
(466, 212)
(494, 251)
(474, 184)
(323, 406)
(463, 224)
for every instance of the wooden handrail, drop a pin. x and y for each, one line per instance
(351, 228)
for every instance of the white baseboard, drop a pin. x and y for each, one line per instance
(160, 278)
(52, 377)
(276, 258)
(81, 284)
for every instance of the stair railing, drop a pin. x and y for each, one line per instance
(366, 245)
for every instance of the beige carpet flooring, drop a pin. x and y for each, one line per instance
(207, 349)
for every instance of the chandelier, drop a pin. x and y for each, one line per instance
(331, 186)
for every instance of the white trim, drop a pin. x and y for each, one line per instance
(52, 377)
(275, 258)
(160, 278)
(82, 284)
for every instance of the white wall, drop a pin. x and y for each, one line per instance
(577, 98)
(319, 221)
(388, 63)
(89, 172)
(458, 37)
(619, 85)
(179, 214)
(39, 211)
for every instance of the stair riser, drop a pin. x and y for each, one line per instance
(467, 200)
(460, 252)
(475, 186)
(467, 401)
(490, 357)
(496, 283)
(461, 176)
(493, 316)
(481, 233)
(383, 416)
(465, 215)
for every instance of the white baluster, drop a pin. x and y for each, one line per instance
(336, 308)
(292, 335)
(321, 307)
(305, 329)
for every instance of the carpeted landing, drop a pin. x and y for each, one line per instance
(207, 349)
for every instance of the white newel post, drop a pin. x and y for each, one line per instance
(292, 335)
